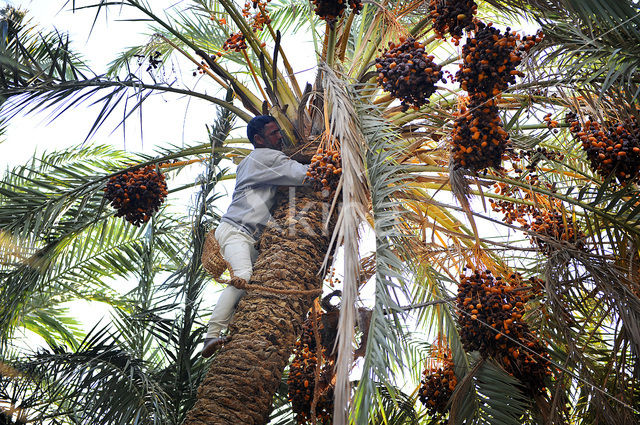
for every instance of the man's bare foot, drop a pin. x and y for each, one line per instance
(211, 345)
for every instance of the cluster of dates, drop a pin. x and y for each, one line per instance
(302, 382)
(408, 72)
(550, 226)
(612, 148)
(489, 64)
(452, 16)
(136, 194)
(490, 317)
(325, 169)
(478, 140)
(437, 385)
(332, 10)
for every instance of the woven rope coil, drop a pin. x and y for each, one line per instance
(212, 259)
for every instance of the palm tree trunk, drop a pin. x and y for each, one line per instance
(247, 371)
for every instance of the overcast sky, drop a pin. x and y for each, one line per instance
(166, 119)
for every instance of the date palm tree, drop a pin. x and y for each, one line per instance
(429, 220)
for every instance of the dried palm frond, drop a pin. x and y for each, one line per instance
(343, 126)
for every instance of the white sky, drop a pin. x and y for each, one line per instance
(34, 132)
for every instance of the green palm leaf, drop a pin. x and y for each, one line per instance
(110, 385)
(488, 395)
(595, 40)
(384, 175)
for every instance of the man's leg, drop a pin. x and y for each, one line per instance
(237, 247)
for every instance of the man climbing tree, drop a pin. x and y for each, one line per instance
(258, 176)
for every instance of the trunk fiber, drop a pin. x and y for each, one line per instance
(247, 371)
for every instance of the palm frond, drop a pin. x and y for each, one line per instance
(394, 408)
(487, 395)
(345, 128)
(77, 267)
(144, 369)
(110, 385)
(384, 350)
(53, 323)
(608, 311)
(30, 56)
(56, 207)
(190, 280)
(36, 197)
(38, 72)
(595, 40)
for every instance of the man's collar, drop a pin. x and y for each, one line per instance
(271, 149)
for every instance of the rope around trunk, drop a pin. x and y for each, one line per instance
(243, 284)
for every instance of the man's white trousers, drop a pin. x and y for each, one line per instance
(238, 248)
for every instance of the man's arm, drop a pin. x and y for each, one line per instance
(279, 170)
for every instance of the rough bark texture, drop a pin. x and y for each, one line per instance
(304, 153)
(247, 371)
